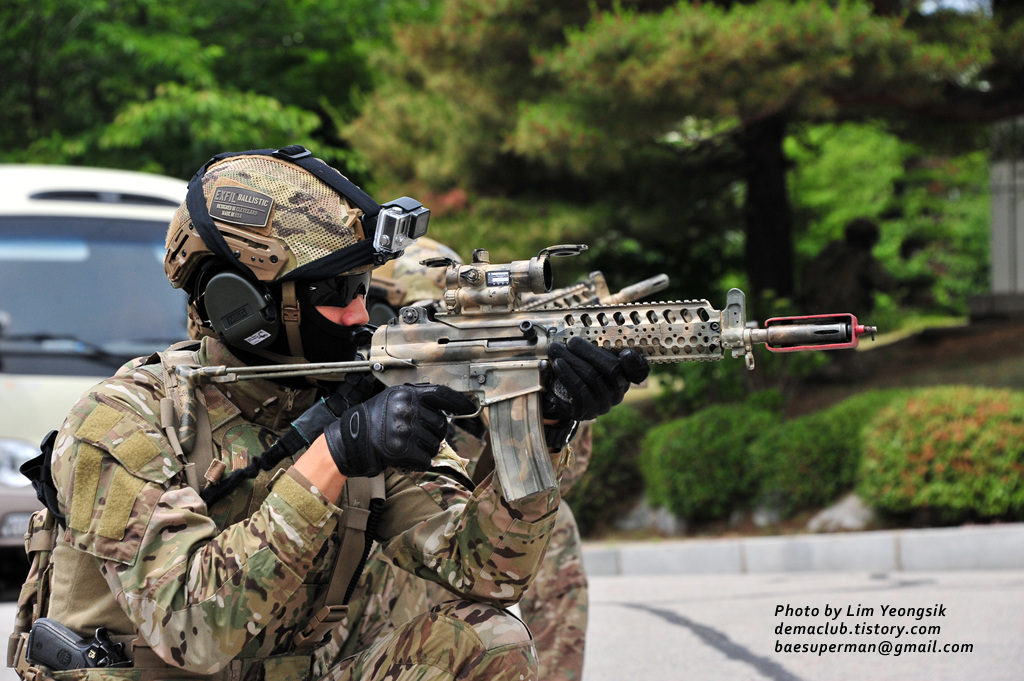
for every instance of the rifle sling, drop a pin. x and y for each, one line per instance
(198, 461)
(358, 516)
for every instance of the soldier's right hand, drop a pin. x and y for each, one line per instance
(403, 427)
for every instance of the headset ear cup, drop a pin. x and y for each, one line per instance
(240, 310)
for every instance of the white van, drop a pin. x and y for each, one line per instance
(82, 290)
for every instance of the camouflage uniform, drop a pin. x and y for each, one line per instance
(224, 590)
(555, 605)
(229, 586)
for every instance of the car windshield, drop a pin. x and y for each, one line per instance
(79, 295)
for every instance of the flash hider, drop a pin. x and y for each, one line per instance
(399, 224)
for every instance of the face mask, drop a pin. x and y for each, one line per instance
(322, 339)
(377, 306)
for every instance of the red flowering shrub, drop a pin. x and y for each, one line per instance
(956, 452)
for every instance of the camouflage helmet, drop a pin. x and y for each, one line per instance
(271, 216)
(260, 219)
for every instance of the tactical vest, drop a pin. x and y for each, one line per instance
(43, 540)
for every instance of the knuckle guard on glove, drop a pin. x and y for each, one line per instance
(400, 410)
(403, 427)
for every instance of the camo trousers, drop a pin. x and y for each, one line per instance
(555, 605)
(455, 640)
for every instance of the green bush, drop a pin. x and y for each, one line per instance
(698, 466)
(956, 453)
(612, 481)
(809, 461)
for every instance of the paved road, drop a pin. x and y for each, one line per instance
(722, 628)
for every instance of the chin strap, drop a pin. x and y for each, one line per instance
(291, 316)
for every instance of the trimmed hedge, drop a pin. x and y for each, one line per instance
(698, 466)
(956, 452)
(810, 461)
(952, 453)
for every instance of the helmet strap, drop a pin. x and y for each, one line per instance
(291, 315)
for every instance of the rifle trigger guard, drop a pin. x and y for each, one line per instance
(479, 409)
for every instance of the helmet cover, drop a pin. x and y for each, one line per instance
(275, 217)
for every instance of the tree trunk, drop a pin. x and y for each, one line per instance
(769, 220)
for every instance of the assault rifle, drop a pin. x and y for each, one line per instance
(481, 341)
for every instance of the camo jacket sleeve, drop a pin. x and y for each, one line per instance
(474, 543)
(198, 594)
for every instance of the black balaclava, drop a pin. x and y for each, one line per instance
(322, 339)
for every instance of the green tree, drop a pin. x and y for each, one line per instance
(756, 69)
(68, 66)
(674, 114)
(933, 211)
(162, 86)
(440, 123)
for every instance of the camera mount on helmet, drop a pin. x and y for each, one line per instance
(399, 224)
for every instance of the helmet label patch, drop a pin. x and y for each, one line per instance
(240, 206)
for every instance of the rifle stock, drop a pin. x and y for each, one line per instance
(484, 343)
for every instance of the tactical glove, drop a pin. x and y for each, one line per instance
(403, 427)
(355, 389)
(588, 380)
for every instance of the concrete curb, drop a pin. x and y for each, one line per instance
(989, 547)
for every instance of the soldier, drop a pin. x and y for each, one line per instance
(555, 605)
(215, 542)
(844, 277)
(845, 274)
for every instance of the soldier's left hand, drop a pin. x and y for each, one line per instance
(589, 380)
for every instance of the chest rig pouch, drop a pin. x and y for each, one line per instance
(362, 500)
(186, 422)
